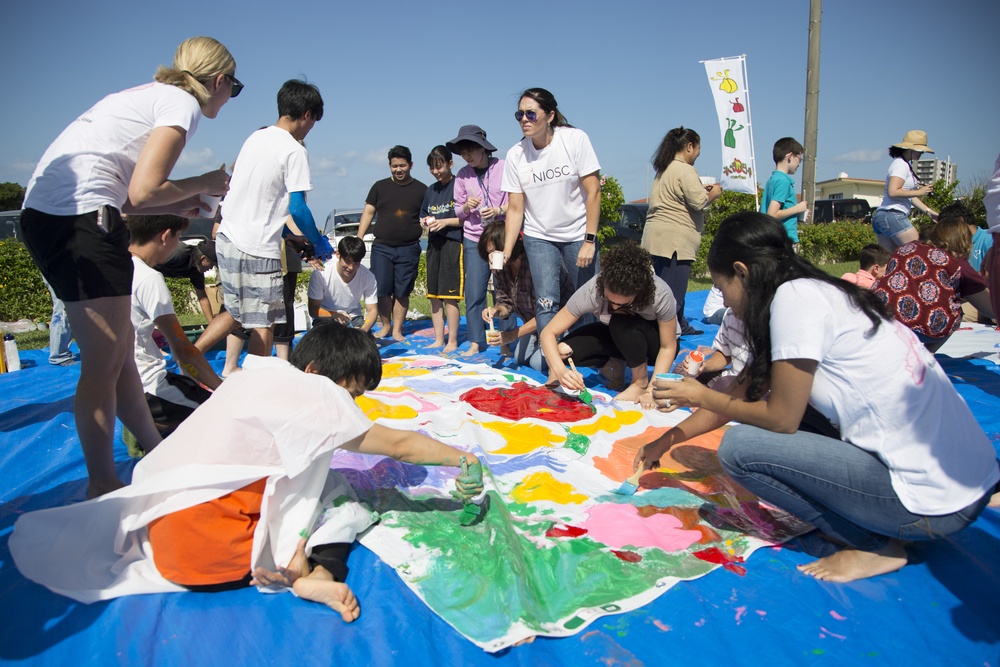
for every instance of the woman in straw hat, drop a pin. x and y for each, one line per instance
(902, 192)
(116, 158)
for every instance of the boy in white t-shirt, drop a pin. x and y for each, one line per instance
(270, 179)
(171, 397)
(341, 286)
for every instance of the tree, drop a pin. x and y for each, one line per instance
(11, 197)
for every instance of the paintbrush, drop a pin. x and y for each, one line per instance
(631, 485)
(585, 394)
(472, 508)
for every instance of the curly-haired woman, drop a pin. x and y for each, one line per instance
(637, 327)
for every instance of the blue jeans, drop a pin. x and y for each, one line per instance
(675, 273)
(529, 353)
(477, 274)
(545, 258)
(843, 490)
(889, 223)
(59, 332)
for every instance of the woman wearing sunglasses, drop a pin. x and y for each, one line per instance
(116, 158)
(637, 326)
(554, 192)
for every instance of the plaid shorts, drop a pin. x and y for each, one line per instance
(251, 286)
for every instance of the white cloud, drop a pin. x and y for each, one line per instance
(202, 160)
(863, 155)
(375, 157)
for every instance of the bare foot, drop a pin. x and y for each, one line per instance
(436, 344)
(398, 335)
(227, 372)
(382, 332)
(614, 373)
(284, 576)
(473, 350)
(631, 393)
(450, 347)
(97, 490)
(853, 564)
(319, 586)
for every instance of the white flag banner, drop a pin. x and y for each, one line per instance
(727, 78)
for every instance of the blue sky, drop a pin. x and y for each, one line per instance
(626, 72)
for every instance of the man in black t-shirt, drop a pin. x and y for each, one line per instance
(191, 262)
(396, 251)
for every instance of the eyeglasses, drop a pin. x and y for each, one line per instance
(530, 114)
(237, 86)
(614, 305)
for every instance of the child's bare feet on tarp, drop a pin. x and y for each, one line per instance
(319, 586)
(853, 564)
(298, 566)
(472, 351)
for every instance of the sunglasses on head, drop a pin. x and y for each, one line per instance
(530, 114)
(237, 86)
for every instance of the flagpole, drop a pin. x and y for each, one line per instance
(753, 153)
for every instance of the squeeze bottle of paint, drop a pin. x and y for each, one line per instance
(695, 360)
(13, 362)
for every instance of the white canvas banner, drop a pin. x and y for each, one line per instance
(727, 79)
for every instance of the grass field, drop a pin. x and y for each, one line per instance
(34, 340)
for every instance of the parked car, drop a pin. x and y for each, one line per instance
(630, 223)
(835, 210)
(345, 223)
(8, 225)
(198, 230)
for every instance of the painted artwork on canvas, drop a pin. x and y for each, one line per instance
(553, 547)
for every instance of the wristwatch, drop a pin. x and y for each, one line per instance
(590, 238)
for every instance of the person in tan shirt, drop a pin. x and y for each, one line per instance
(676, 217)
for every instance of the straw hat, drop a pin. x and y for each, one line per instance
(915, 140)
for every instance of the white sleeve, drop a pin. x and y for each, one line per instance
(900, 169)
(154, 297)
(511, 179)
(800, 326)
(584, 155)
(297, 176)
(316, 286)
(369, 291)
(177, 108)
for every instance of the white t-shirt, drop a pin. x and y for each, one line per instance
(270, 165)
(587, 301)
(150, 299)
(887, 395)
(992, 200)
(899, 168)
(713, 302)
(554, 199)
(731, 341)
(90, 164)
(337, 296)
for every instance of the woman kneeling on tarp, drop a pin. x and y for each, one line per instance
(862, 434)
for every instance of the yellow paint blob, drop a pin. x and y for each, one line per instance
(543, 486)
(395, 390)
(609, 423)
(374, 409)
(523, 437)
(396, 370)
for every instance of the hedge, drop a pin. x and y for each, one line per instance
(22, 291)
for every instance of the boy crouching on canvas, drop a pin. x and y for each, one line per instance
(225, 501)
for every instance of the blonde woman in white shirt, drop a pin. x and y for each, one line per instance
(116, 158)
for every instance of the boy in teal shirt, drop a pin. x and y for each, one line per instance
(779, 200)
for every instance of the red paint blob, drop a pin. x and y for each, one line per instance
(565, 531)
(627, 556)
(719, 557)
(523, 401)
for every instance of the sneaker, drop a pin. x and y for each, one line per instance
(691, 331)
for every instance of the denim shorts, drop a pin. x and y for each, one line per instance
(889, 222)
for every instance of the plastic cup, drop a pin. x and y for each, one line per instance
(496, 260)
(660, 378)
(213, 205)
(707, 180)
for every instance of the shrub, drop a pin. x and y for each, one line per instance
(835, 241)
(22, 292)
(723, 207)
(612, 199)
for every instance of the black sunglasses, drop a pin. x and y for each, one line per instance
(237, 86)
(530, 114)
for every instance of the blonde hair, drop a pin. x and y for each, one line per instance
(951, 234)
(198, 61)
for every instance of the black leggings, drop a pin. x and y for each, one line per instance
(285, 332)
(629, 337)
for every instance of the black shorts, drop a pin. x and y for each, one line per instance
(167, 415)
(395, 268)
(80, 259)
(445, 272)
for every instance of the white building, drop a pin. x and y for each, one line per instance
(931, 170)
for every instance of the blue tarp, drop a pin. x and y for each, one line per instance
(943, 608)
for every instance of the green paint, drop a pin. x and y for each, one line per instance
(513, 577)
(818, 651)
(573, 623)
(515, 378)
(577, 442)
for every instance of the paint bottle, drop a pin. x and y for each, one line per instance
(13, 362)
(695, 360)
